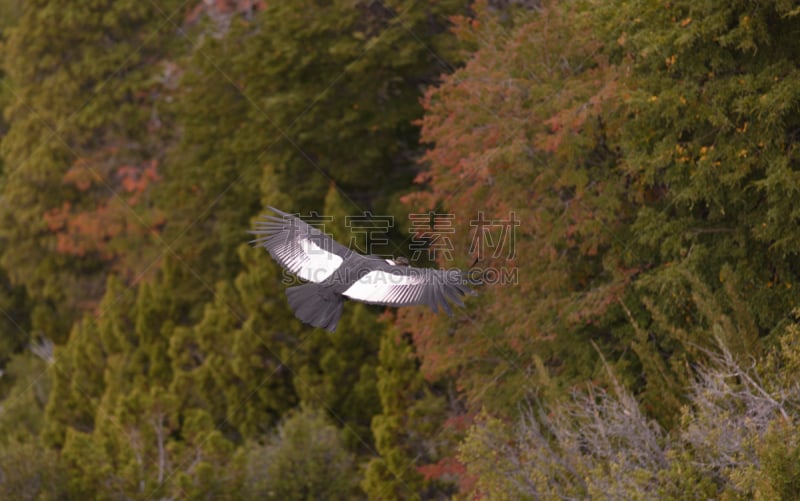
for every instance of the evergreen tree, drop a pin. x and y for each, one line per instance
(78, 373)
(16, 326)
(405, 430)
(304, 459)
(23, 404)
(709, 144)
(29, 471)
(234, 362)
(15, 321)
(337, 93)
(82, 147)
(116, 400)
(211, 177)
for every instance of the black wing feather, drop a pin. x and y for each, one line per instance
(289, 239)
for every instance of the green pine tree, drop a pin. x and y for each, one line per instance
(707, 137)
(406, 428)
(83, 143)
(304, 459)
(337, 93)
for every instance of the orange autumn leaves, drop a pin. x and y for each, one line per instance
(110, 227)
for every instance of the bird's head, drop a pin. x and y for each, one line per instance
(401, 261)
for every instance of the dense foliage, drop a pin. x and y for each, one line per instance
(621, 175)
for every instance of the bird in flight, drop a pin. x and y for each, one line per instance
(335, 273)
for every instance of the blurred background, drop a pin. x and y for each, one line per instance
(643, 343)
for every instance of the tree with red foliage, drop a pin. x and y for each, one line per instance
(520, 130)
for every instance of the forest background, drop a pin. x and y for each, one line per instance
(649, 346)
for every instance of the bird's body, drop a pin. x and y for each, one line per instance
(336, 273)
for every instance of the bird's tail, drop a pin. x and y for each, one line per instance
(314, 305)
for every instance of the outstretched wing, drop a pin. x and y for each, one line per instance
(406, 286)
(301, 249)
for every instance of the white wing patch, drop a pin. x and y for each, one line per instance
(311, 262)
(386, 287)
(307, 260)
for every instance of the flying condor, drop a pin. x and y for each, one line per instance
(335, 273)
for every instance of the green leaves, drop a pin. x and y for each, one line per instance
(647, 151)
(410, 409)
(304, 459)
(709, 125)
(80, 98)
